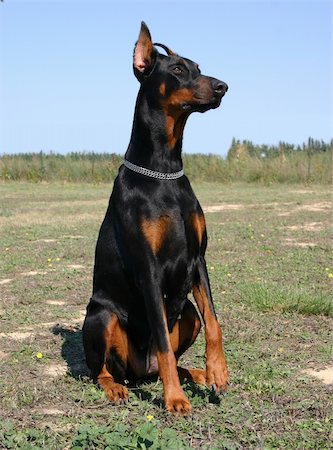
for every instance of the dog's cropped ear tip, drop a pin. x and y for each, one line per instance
(144, 29)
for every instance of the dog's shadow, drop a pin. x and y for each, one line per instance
(72, 350)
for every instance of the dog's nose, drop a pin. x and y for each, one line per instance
(219, 87)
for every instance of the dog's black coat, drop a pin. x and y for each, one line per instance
(151, 245)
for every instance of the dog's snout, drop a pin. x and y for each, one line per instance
(219, 87)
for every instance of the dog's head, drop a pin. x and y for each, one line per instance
(175, 81)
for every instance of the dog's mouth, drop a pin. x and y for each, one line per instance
(202, 106)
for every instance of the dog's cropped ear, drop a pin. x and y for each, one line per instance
(144, 53)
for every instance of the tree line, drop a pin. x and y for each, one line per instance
(240, 149)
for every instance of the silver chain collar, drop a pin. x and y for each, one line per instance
(153, 173)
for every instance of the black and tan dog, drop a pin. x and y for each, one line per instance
(151, 246)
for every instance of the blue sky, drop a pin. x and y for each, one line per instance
(66, 81)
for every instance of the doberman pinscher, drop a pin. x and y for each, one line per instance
(151, 245)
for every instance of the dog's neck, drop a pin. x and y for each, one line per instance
(156, 140)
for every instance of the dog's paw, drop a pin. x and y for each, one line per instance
(115, 392)
(197, 376)
(179, 405)
(217, 377)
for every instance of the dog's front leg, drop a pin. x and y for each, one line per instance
(216, 366)
(174, 397)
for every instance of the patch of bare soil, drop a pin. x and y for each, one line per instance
(313, 207)
(17, 336)
(52, 412)
(238, 206)
(321, 206)
(38, 329)
(55, 370)
(293, 243)
(55, 302)
(3, 355)
(33, 273)
(49, 325)
(75, 266)
(311, 226)
(34, 217)
(325, 375)
(45, 240)
(222, 207)
(303, 191)
(6, 281)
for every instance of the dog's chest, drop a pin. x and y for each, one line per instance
(173, 232)
(165, 220)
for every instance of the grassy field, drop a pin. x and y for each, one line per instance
(271, 269)
(311, 166)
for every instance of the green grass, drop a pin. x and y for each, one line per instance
(146, 434)
(305, 166)
(275, 298)
(271, 270)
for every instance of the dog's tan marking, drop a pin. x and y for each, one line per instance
(155, 231)
(162, 89)
(115, 339)
(177, 98)
(175, 116)
(199, 225)
(216, 366)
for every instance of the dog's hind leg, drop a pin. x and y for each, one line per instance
(106, 348)
(185, 330)
(183, 335)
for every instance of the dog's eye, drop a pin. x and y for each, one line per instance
(178, 70)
